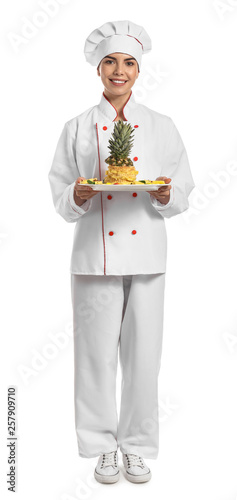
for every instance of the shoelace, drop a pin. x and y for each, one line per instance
(109, 459)
(134, 460)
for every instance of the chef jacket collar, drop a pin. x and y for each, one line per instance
(110, 111)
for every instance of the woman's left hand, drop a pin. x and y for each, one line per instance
(163, 193)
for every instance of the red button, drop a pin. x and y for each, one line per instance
(111, 233)
(135, 158)
(135, 126)
(109, 197)
(134, 194)
(134, 232)
(104, 128)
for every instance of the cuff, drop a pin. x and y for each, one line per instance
(162, 206)
(83, 208)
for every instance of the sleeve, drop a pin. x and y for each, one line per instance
(176, 166)
(62, 176)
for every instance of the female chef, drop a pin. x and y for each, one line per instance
(118, 260)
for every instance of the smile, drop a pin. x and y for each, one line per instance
(118, 82)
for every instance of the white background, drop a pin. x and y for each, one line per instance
(191, 76)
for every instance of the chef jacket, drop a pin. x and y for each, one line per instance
(119, 233)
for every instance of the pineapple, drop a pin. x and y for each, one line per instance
(121, 168)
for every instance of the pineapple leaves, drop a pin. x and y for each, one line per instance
(121, 142)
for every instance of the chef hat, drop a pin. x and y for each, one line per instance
(117, 36)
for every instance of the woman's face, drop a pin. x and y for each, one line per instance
(118, 66)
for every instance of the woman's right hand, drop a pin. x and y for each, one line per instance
(83, 192)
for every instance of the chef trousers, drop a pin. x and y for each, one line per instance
(114, 313)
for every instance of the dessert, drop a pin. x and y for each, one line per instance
(94, 180)
(121, 169)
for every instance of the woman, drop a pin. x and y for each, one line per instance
(118, 260)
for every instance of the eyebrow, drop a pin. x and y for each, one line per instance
(128, 59)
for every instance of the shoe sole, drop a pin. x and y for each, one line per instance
(138, 479)
(106, 479)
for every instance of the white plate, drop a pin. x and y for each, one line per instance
(125, 187)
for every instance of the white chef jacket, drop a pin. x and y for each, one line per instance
(119, 233)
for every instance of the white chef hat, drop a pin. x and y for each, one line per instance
(117, 36)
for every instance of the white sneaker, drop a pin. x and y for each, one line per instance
(136, 470)
(107, 470)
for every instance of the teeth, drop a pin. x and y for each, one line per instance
(119, 81)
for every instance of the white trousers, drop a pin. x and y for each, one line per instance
(112, 313)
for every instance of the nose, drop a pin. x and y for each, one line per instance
(118, 69)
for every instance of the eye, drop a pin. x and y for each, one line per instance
(108, 61)
(130, 63)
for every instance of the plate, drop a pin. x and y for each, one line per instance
(125, 187)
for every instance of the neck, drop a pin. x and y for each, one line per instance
(118, 101)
